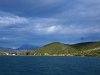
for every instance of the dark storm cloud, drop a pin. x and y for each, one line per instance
(35, 21)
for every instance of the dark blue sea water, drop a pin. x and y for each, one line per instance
(31, 65)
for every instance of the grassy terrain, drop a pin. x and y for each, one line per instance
(60, 49)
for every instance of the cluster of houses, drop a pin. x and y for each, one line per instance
(10, 54)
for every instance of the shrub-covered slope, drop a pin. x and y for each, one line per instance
(81, 49)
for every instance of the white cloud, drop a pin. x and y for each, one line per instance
(66, 30)
(49, 26)
(46, 26)
(59, 29)
(7, 20)
(52, 29)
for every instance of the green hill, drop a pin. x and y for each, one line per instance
(61, 49)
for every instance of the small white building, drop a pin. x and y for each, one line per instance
(13, 54)
(7, 53)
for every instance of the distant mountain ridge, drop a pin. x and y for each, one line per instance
(27, 47)
(2, 49)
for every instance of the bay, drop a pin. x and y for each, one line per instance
(49, 65)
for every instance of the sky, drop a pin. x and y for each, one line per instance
(39, 22)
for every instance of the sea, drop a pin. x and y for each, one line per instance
(49, 65)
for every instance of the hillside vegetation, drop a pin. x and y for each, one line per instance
(58, 49)
(61, 49)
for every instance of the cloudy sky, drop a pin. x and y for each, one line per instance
(39, 22)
